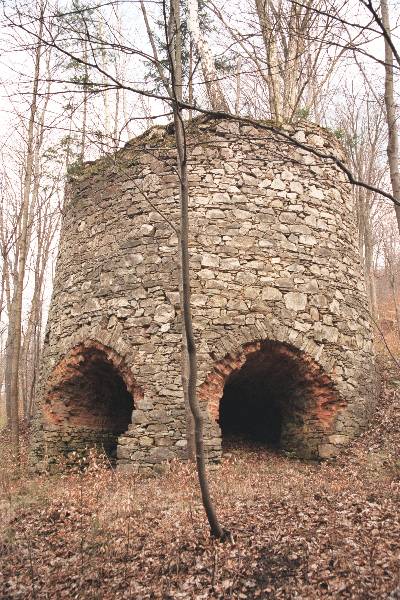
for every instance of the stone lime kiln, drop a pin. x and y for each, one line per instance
(280, 312)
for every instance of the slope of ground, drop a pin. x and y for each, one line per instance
(301, 530)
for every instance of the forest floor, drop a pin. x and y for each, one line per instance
(302, 530)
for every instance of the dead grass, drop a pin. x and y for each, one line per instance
(302, 530)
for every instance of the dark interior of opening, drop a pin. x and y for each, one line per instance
(265, 397)
(251, 413)
(92, 404)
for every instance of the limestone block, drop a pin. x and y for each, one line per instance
(311, 287)
(296, 187)
(271, 294)
(308, 240)
(134, 259)
(244, 277)
(278, 184)
(147, 229)
(215, 214)
(164, 313)
(316, 193)
(210, 260)
(206, 274)
(330, 334)
(295, 301)
(315, 140)
(160, 454)
(199, 299)
(299, 136)
(124, 452)
(251, 293)
(230, 264)
(181, 443)
(145, 440)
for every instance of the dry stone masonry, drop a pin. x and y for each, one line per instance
(279, 306)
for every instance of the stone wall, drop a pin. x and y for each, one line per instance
(274, 260)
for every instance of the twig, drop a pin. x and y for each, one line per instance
(154, 207)
(396, 362)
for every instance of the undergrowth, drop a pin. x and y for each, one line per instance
(302, 530)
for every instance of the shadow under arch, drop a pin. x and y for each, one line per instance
(90, 397)
(272, 393)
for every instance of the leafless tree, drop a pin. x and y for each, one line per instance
(392, 117)
(360, 126)
(391, 255)
(215, 93)
(286, 48)
(13, 350)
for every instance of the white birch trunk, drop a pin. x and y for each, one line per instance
(214, 91)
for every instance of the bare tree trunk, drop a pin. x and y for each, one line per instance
(238, 84)
(189, 345)
(389, 253)
(121, 70)
(190, 82)
(392, 282)
(176, 51)
(127, 120)
(214, 91)
(15, 317)
(216, 530)
(8, 349)
(85, 103)
(42, 222)
(365, 242)
(116, 140)
(28, 348)
(106, 100)
(391, 117)
(190, 435)
(4, 276)
(268, 35)
(152, 41)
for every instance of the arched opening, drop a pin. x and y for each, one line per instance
(271, 394)
(90, 400)
(251, 411)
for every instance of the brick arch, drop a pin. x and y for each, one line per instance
(90, 395)
(308, 398)
(274, 331)
(107, 339)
